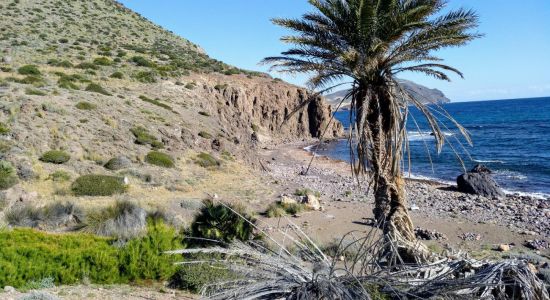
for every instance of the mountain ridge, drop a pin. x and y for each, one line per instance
(422, 93)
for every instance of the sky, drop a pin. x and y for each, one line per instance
(511, 61)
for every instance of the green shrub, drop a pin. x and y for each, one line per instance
(205, 135)
(206, 160)
(155, 102)
(232, 71)
(142, 61)
(219, 222)
(29, 258)
(87, 66)
(31, 79)
(275, 211)
(190, 86)
(63, 40)
(221, 87)
(34, 92)
(144, 258)
(84, 105)
(255, 127)
(55, 157)
(279, 209)
(146, 77)
(29, 70)
(204, 113)
(160, 159)
(8, 175)
(98, 185)
(305, 191)
(143, 137)
(102, 61)
(96, 88)
(60, 175)
(194, 277)
(4, 129)
(117, 75)
(28, 255)
(67, 82)
(57, 63)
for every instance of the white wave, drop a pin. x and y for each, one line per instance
(488, 161)
(424, 135)
(510, 175)
(542, 196)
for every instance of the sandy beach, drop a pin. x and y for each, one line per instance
(466, 222)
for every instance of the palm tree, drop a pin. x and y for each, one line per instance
(370, 42)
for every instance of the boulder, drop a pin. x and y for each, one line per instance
(311, 202)
(479, 182)
(117, 163)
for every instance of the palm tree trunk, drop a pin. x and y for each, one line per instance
(390, 209)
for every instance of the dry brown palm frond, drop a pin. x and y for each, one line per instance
(358, 268)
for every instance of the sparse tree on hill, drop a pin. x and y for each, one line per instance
(371, 42)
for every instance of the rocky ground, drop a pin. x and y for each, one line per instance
(461, 221)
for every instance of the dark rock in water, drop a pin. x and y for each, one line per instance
(481, 169)
(479, 182)
(117, 163)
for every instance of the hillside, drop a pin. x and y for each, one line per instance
(82, 76)
(422, 93)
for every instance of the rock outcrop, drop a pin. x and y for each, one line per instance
(479, 182)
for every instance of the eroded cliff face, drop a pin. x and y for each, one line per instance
(270, 110)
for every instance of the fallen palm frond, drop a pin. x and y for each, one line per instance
(358, 268)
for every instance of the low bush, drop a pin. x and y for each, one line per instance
(29, 256)
(305, 191)
(117, 75)
(58, 63)
(276, 210)
(103, 61)
(219, 222)
(205, 135)
(146, 77)
(98, 185)
(194, 277)
(23, 216)
(155, 102)
(31, 79)
(220, 87)
(84, 105)
(142, 61)
(144, 258)
(124, 220)
(29, 70)
(60, 175)
(34, 92)
(160, 159)
(87, 66)
(143, 137)
(96, 88)
(206, 160)
(55, 157)
(4, 129)
(204, 113)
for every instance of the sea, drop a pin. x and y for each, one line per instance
(511, 137)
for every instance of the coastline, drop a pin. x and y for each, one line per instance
(435, 206)
(438, 181)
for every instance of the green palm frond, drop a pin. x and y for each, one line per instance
(370, 41)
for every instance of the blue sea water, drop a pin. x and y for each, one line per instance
(511, 137)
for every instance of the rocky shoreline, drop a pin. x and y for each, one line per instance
(526, 217)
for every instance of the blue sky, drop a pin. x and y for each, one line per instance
(511, 61)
